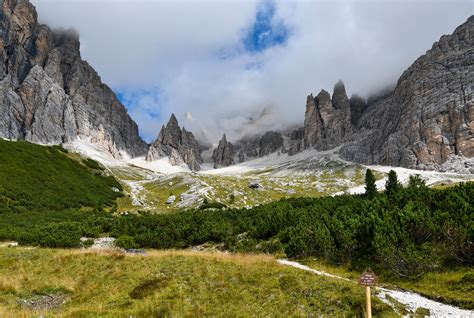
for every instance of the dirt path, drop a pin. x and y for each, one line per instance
(412, 301)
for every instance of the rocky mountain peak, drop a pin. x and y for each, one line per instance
(327, 120)
(177, 144)
(173, 121)
(421, 123)
(223, 155)
(339, 97)
(49, 95)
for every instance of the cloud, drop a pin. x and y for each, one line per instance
(225, 61)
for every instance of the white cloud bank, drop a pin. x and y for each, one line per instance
(166, 56)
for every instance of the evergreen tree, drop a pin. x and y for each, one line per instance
(370, 187)
(393, 185)
(416, 181)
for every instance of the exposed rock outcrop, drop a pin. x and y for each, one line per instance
(425, 120)
(48, 94)
(358, 106)
(327, 121)
(177, 144)
(297, 134)
(258, 146)
(270, 142)
(223, 155)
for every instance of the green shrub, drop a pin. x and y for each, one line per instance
(87, 243)
(60, 148)
(212, 205)
(64, 235)
(92, 164)
(126, 242)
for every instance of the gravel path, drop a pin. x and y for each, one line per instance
(412, 301)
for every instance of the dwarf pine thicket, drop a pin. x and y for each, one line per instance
(42, 179)
(53, 200)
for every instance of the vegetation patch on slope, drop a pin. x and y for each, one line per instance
(39, 178)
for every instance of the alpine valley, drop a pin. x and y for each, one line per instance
(73, 165)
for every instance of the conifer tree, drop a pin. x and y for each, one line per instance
(393, 185)
(370, 187)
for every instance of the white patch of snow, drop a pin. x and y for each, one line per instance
(403, 174)
(273, 160)
(95, 151)
(162, 165)
(86, 148)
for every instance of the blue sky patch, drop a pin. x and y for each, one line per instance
(265, 31)
(144, 106)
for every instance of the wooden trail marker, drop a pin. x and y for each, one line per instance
(368, 279)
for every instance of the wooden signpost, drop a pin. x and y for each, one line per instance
(368, 279)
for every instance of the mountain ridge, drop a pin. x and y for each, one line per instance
(49, 95)
(429, 116)
(426, 120)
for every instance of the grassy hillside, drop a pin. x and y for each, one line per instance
(172, 284)
(39, 178)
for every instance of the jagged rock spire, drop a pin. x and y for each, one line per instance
(339, 97)
(177, 144)
(223, 155)
(327, 120)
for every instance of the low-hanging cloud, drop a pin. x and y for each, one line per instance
(218, 64)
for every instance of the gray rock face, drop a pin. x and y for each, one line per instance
(259, 146)
(429, 116)
(48, 94)
(177, 144)
(297, 134)
(425, 120)
(358, 106)
(327, 121)
(223, 155)
(270, 142)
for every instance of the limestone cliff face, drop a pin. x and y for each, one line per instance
(425, 120)
(223, 155)
(48, 94)
(177, 144)
(259, 145)
(327, 120)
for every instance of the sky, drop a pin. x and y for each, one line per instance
(243, 67)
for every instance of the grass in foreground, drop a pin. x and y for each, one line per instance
(170, 283)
